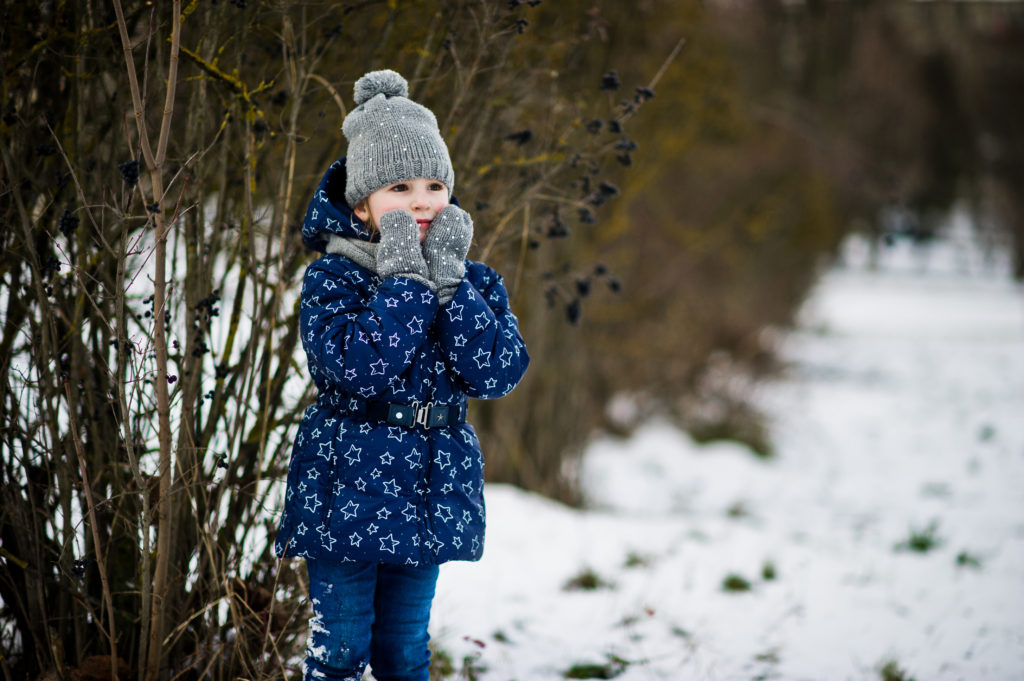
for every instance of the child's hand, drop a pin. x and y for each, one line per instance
(445, 249)
(399, 250)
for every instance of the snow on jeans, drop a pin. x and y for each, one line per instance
(369, 613)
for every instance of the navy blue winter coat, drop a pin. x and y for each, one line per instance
(358, 487)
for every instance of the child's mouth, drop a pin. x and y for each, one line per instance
(424, 225)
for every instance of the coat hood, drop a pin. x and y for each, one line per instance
(329, 213)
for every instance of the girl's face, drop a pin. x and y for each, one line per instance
(423, 198)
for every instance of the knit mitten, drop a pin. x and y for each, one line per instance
(399, 253)
(445, 248)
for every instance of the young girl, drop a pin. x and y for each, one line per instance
(386, 477)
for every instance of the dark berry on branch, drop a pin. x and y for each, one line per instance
(643, 94)
(68, 223)
(610, 81)
(129, 172)
(572, 312)
(521, 137)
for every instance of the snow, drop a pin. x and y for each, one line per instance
(901, 412)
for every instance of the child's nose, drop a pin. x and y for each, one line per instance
(420, 200)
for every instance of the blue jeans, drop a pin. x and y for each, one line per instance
(369, 613)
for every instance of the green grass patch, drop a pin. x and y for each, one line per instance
(921, 540)
(587, 580)
(768, 571)
(737, 511)
(444, 668)
(735, 583)
(891, 671)
(613, 667)
(965, 559)
(637, 560)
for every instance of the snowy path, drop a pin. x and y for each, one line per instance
(902, 417)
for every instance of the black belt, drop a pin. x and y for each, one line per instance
(428, 415)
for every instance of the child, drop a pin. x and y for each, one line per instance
(386, 477)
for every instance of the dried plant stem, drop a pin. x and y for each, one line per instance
(165, 514)
(101, 562)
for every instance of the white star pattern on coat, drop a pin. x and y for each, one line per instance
(350, 509)
(353, 454)
(483, 359)
(455, 312)
(388, 543)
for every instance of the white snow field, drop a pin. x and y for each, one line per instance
(898, 424)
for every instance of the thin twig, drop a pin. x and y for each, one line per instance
(101, 561)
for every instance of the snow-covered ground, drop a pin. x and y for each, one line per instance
(901, 418)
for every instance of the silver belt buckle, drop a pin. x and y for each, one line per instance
(423, 413)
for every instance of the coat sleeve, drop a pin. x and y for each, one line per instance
(358, 338)
(480, 337)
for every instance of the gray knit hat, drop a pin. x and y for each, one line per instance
(391, 138)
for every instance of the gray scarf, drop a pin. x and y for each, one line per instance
(362, 253)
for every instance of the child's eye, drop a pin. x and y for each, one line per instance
(400, 187)
(436, 186)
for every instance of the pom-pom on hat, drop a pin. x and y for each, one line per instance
(391, 138)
